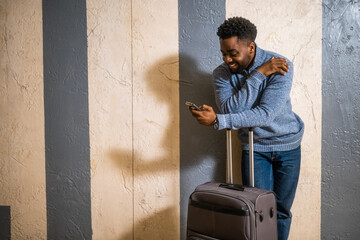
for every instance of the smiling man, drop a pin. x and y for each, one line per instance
(252, 89)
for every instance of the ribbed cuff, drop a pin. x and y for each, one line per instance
(221, 120)
(224, 121)
(255, 78)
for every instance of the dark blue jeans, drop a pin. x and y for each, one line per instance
(278, 172)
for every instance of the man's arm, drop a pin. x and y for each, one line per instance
(232, 100)
(273, 99)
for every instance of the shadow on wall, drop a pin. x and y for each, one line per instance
(162, 82)
(155, 226)
(160, 79)
(202, 155)
(156, 210)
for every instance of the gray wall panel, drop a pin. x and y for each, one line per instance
(341, 120)
(202, 149)
(66, 120)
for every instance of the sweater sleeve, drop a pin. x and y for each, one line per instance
(273, 99)
(232, 100)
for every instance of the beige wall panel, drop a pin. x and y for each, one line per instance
(293, 29)
(22, 151)
(156, 119)
(110, 116)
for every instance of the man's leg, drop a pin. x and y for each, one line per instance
(286, 169)
(263, 175)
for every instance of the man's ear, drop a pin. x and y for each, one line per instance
(251, 47)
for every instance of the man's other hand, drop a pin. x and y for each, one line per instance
(205, 117)
(274, 65)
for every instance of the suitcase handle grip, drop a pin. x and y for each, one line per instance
(236, 187)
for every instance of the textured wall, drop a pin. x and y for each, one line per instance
(138, 51)
(341, 124)
(133, 97)
(156, 119)
(66, 120)
(202, 149)
(293, 29)
(22, 154)
(110, 109)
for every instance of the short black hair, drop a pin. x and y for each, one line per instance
(239, 27)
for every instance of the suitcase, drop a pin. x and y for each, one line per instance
(231, 211)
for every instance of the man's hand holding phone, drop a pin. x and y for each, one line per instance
(204, 114)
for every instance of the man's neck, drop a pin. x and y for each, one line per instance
(252, 62)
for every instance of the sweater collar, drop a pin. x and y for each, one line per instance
(258, 59)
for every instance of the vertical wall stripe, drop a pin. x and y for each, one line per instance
(155, 119)
(202, 149)
(66, 120)
(341, 120)
(22, 144)
(110, 118)
(5, 225)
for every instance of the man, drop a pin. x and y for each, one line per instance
(252, 89)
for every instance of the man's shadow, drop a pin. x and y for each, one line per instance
(160, 80)
(156, 214)
(201, 149)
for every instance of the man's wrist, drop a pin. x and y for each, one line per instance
(262, 70)
(215, 123)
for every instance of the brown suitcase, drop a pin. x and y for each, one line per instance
(231, 211)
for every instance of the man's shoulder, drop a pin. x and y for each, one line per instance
(269, 54)
(221, 70)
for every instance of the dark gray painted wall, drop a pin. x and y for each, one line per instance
(5, 224)
(66, 120)
(341, 120)
(202, 149)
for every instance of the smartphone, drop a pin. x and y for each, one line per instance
(193, 106)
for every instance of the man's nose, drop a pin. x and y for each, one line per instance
(227, 59)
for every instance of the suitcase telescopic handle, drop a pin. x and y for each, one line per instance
(229, 179)
(251, 157)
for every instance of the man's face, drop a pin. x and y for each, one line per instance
(237, 54)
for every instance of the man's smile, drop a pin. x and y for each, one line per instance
(233, 66)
